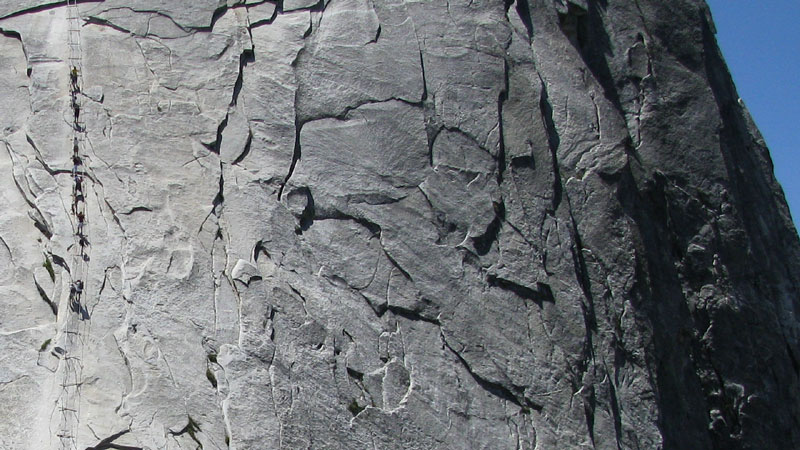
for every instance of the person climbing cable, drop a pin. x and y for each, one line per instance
(81, 223)
(73, 76)
(76, 289)
(78, 178)
(76, 164)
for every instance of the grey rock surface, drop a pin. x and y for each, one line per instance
(390, 224)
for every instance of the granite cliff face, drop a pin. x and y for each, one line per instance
(388, 224)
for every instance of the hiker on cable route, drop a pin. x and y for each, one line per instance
(75, 292)
(76, 164)
(81, 223)
(73, 76)
(77, 288)
(78, 178)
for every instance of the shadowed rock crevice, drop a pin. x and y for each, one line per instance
(553, 143)
(108, 443)
(493, 388)
(541, 294)
(586, 31)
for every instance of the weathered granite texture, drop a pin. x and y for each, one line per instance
(394, 224)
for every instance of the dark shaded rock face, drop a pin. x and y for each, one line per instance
(389, 224)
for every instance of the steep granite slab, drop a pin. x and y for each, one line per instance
(392, 224)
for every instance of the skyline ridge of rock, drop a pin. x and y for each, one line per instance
(518, 224)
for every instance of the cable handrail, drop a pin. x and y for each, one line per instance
(71, 349)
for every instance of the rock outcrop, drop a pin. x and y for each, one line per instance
(389, 224)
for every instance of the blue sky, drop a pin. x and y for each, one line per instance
(761, 43)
